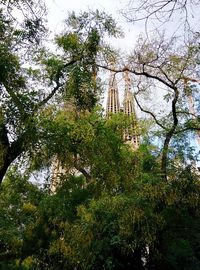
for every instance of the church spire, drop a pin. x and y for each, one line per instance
(113, 105)
(131, 133)
(129, 107)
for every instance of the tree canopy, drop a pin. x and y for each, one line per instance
(111, 207)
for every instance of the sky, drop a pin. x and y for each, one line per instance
(58, 10)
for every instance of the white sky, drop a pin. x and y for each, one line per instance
(58, 11)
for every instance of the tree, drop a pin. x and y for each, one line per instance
(25, 91)
(87, 225)
(16, 97)
(162, 66)
(19, 200)
(122, 209)
(157, 15)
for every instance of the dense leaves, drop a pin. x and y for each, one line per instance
(152, 226)
(32, 78)
(111, 206)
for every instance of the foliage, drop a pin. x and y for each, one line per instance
(19, 200)
(31, 79)
(113, 207)
(84, 227)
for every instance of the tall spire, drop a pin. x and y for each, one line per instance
(113, 96)
(129, 107)
(131, 133)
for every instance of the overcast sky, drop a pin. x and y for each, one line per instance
(58, 10)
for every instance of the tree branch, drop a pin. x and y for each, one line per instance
(80, 168)
(58, 84)
(169, 134)
(148, 112)
(143, 73)
(84, 172)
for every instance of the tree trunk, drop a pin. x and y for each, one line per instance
(3, 171)
(11, 153)
(8, 159)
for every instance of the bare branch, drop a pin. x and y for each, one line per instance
(187, 129)
(149, 112)
(161, 12)
(143, 73)
(169, 134)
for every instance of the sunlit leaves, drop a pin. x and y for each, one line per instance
(69, 42)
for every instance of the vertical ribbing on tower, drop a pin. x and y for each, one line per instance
(113, 105)
(131, 133)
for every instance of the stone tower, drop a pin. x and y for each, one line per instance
(113, 105)
(131, 134)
